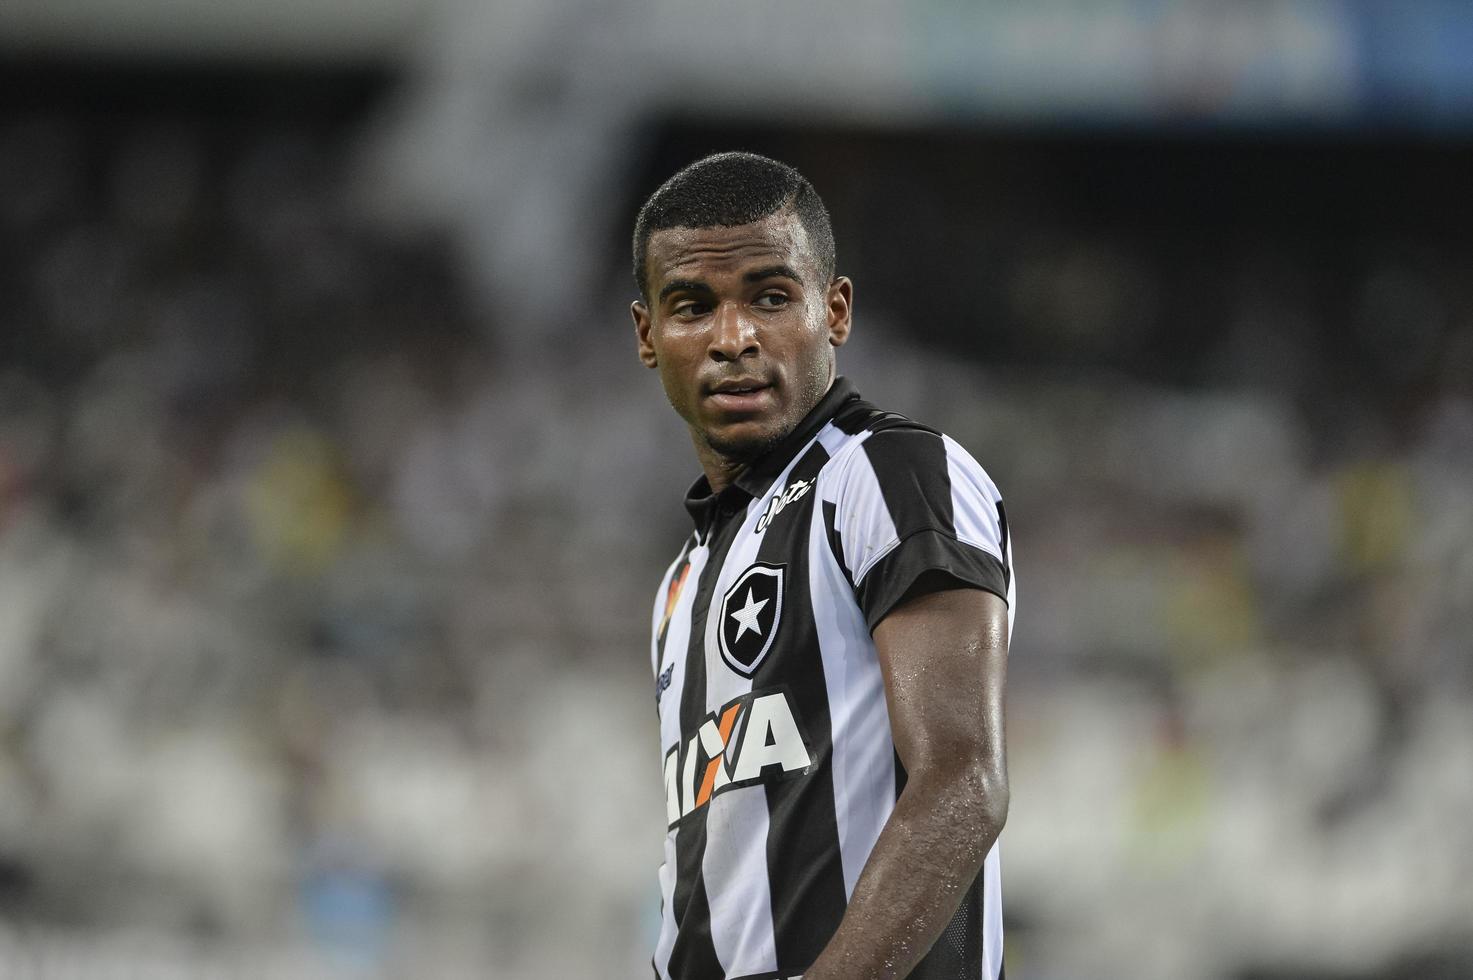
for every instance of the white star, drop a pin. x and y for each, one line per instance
(747, 617)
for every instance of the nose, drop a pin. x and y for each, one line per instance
(733, 336)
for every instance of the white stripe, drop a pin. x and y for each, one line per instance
(974, 500)
(864, 523)
(863, 755)
(992, 913)
(737, 889)
(677, 640)
(665, 944)
(659, 613)
(832, 439)
(1012, 590)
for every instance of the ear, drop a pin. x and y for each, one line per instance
(840, 301)
(642, 325)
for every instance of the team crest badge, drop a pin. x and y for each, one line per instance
(750, 616)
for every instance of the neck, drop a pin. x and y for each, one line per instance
(721, 471)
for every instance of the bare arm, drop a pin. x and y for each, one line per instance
(944, 660)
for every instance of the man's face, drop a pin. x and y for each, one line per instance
(742, 330)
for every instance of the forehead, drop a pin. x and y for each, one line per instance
(701, 253)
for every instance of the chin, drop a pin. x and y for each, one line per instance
(746, 441)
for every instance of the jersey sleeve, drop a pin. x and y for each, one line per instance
(912, 501)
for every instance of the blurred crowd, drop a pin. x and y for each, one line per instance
(323, 611)
(288, 628)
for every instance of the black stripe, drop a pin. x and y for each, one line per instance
(804, 868)
(836, 542)
(859, 415)
(694, 954)
(1007, 561)
(957, 952)
(910, 467)
(855, 417)
(915, 482)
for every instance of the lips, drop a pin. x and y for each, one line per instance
(738, 386)
(740, 394)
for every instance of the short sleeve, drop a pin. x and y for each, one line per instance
(913, 501)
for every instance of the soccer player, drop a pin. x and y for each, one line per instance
(829, 648)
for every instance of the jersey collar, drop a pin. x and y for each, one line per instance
(754, 481)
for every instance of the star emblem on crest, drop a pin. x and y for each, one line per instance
(746, 616)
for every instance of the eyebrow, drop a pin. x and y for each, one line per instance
(779, 271)
(682, 286)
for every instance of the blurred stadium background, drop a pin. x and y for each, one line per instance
(332, 496)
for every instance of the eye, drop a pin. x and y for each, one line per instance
(691, 308)
(772, 301)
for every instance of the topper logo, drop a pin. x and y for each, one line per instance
(793, 491)
(752, 739)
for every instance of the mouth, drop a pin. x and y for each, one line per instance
(740, 394)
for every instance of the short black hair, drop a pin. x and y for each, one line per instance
(728, 189)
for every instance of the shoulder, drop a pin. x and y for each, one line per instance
(886, 448)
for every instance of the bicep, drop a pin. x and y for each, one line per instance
(943, 656)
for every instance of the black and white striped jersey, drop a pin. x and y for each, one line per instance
(779, 766)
